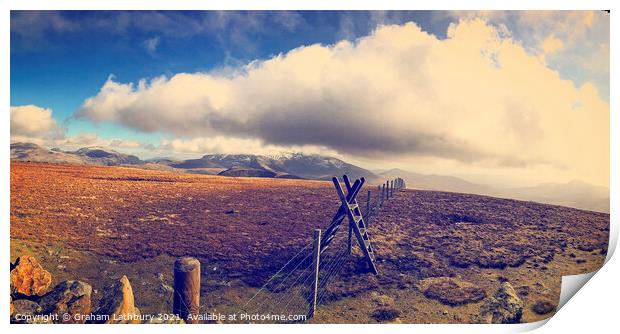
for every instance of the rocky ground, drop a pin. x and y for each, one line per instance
(442, 257)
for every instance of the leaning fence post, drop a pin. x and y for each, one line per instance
(316, 259)
(186, 299)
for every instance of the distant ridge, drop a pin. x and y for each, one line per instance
(574, 194)
(87, 155)
(293, 165)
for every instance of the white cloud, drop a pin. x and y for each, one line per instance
(550, 46)
(89, 139)
(477, 99)
(34, 124)
(576, 43)
(221, 144)
(32, 121)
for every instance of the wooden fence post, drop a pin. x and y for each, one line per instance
(186, 298)
(382, 193)
(392, 187)
(316, 260)
(368, 206)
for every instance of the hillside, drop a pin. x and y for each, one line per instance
(87, 155)
(575, 194)
(314, 167)
(97, 224)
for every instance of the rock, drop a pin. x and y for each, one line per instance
(543, 306)
(386, 314)
(451, 291)
(28, 312)
(163, 287)
(381, 300)
(25, 306)
(230, 212)
(505, 307)
(523, 290)
(29, 278)
(68, 297)
(118, 303)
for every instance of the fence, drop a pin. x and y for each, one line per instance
(295, 291)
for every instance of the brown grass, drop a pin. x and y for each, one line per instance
(134, 216)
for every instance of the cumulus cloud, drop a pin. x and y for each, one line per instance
(477, 98)
(576, 43)
(32, 123)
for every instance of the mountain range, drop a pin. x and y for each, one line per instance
(575, 194)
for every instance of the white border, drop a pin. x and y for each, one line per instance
(595, 308)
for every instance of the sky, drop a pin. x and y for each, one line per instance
(518, 98)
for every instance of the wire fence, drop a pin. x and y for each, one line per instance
(289, 295)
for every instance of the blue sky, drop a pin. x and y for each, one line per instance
(67, 56)
(170, 83)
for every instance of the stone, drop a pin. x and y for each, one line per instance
(26, 307)
(69, 297)
(386, 314)
(163, 287)
(451, 291)
(543, 306)
(28, 278)
(381, 300)
(28, 312)
(118, 303)
(505, 307)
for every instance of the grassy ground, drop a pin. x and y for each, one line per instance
(99, 223)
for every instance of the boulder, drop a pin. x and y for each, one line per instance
(28, 278)
(505, 307)
(69, 297)
(118, 304)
